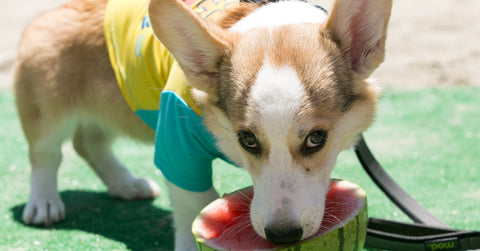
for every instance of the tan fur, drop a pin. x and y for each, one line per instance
(232, 15)
(353, 18)
(63, 69)
(334, 91)
(332, 61)
(65, 86)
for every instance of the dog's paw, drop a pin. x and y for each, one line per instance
(45, 210)
(135, 188)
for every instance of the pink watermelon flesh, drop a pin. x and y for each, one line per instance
(225, 223)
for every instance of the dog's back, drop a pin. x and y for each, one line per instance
(62, 70)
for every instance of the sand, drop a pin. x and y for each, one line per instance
(430, 42)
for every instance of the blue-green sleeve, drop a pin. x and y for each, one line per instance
(184, 149)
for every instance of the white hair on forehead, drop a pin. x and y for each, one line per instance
(280, 13)
(277, 95)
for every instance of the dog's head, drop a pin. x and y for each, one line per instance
(282, 98)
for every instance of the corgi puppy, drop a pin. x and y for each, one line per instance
(276, 88)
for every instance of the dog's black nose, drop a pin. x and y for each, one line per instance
(283, 235)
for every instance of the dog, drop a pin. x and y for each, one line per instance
(277, 88)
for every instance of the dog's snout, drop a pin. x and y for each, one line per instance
(284, 235)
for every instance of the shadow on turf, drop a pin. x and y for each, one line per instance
(138, 224)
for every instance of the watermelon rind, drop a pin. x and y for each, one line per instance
(350, 236)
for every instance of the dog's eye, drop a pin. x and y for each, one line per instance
(314, 142)
(248, 141)
(316, 139)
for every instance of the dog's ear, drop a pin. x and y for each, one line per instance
(196, 45)
(359, 26)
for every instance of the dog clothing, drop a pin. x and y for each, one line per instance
(155, 88)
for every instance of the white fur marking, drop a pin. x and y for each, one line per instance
(280, 13)
(284, 193)
(277, 93)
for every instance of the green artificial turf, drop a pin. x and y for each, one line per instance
(428, 140)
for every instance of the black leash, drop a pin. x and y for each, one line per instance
(427, 233)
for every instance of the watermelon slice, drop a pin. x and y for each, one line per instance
(225, 223)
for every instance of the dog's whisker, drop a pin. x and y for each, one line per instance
(332, 219)
(254, 236)
(237, 228)
(228, 130)
(245, 196)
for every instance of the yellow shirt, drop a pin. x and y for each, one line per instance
(142, 65)
(155, 88)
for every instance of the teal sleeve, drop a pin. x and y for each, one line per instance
(184, 149)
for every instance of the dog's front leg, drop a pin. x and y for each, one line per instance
(186, 206)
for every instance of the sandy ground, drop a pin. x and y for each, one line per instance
(430, 43)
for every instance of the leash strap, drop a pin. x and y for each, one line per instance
(393, 191)
(427, 233)
(392, 235)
